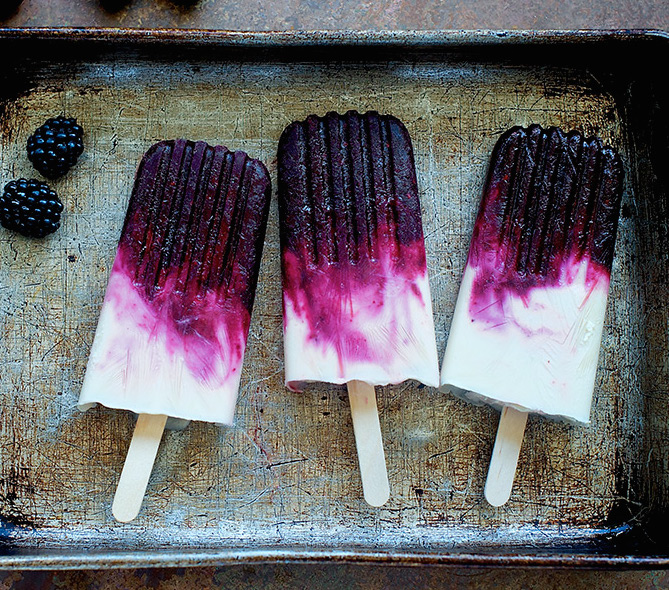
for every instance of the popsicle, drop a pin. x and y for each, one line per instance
(527, 326)
(356, 297)
(172, 332)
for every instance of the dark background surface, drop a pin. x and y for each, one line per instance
(338, 14)
(262, 15)
(334, 577)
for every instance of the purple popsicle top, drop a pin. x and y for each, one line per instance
(351, 228)
(550, 204)
(191, 247)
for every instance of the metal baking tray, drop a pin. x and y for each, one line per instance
(283, 482)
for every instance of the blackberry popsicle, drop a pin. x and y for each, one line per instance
(172, 331)
(527, 327)
(356, 297)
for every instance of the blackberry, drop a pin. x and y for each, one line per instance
(30, 207)
(55, 146)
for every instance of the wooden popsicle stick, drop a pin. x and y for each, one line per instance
(369, 442)
(138, 466)
(502, 470)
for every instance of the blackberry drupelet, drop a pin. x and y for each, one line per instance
(30, 207)
(55, 146)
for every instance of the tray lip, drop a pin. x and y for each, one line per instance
(269, 556)
(410, 40)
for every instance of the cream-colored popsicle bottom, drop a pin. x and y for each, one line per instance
(133, 366)
(542, 355)
(400, 341)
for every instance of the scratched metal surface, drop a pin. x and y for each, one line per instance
(283, 482)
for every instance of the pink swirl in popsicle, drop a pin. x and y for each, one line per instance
(549, 210)
(356, 294)
(528, 323)
(177, 309)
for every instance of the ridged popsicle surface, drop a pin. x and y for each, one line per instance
(551, 202)
(356, 295)
(176, 314)
(533, 296)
